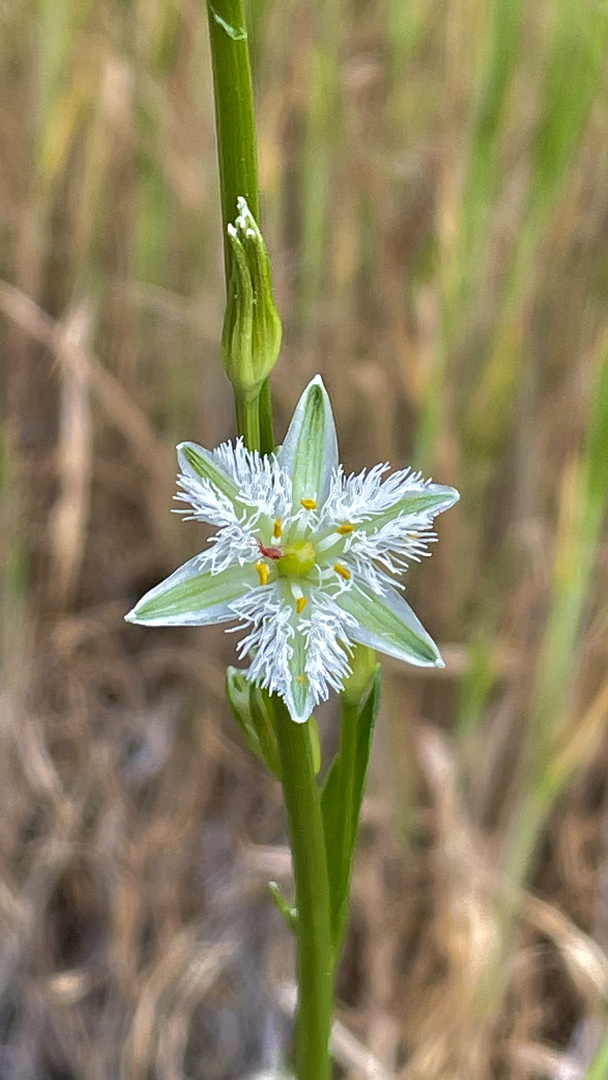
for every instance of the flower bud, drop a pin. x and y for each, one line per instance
(249, 705)
(363, 669)
(251, 337)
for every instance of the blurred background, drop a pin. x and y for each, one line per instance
(434, 180)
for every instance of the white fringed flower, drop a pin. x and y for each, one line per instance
(304, 557)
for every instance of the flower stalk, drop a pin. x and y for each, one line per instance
(234, 116)
(237, 157)
(315, 959)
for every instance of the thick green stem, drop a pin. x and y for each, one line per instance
(315, 954)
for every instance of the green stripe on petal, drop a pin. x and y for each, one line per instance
(433, 499)
(430, 500)
(198, 463)
(388, 624)
(299, 697)
(310, 451)
(193, 596)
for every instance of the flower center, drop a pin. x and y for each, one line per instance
(298, 559)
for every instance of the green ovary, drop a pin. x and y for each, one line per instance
(298, 560)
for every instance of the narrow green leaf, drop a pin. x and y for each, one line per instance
(342, 798)
(289, 913)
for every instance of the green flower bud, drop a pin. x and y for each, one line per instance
(363, 669)
(251, 337)
(250, 710)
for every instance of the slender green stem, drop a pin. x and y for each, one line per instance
(238, 176)
(248, 420)
(315, 954)
(234, 117)
(266, 425)
(237, 155)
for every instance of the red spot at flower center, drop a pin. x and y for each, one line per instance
(270, 552)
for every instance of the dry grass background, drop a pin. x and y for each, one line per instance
(435, 193)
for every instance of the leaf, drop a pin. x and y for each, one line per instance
(289, 913)
(342, 798)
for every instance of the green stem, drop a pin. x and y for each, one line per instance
(315, 954)
(266, 425)
(248, 420)
(238, 176)
(237, 155)
(234, 118)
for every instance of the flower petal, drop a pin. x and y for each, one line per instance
(194, 596)
(199, 464)
(428, 499)
(388, 624)
(373, 498)
(207, 487)
(277, 647)
(422, 503)
(310, 451)
(299, 694)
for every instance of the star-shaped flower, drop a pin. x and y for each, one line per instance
(304, 557)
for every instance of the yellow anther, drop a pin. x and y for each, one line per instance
(277, 532)
(300, 678)
(262, 570)
(300, 604)
(345, 529)
(342, 571)
(309, 504)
